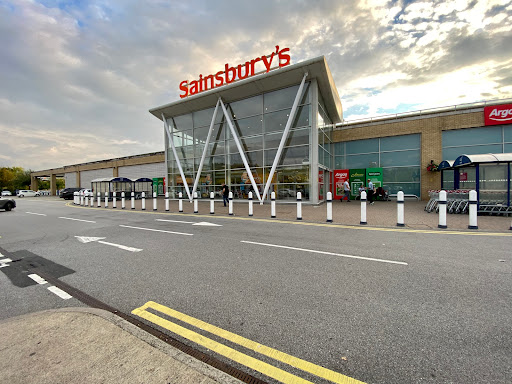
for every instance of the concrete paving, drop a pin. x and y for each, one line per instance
(78, 345)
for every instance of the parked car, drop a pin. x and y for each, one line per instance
(27, 193)
(6, 193)
(86, 192)
(68, 193)
(7, 204)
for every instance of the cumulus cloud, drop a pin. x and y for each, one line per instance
(79, 77)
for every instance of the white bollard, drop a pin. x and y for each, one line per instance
(180, 202)
(299, 206)
(442, 210)
(473, 207)
(123, 200)
(81, 198)
(273, 205)
(99, 199)
(92, 200)
(400, 209)
(106, 199)
(167, 201)
(230, 209)
(133, 200)
(196, 210)
(143, 201)
(363, 208)
(114, 200)
(251, 211)
(329, 207)
(212, 203)
(154, 201)
(86, 200)
(75, 198)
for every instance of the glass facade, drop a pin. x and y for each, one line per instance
(259, 122)
(399, 156)
(475, 141)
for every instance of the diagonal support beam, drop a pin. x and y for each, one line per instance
(166, 126)
(284, 138)
(240, 150)
(196, 181)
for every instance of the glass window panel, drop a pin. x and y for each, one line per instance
(448, 179)
(219, 132)
(204, 117)
(254, 159)
(219, 178)
(327, 159)
(405, 174)
(284, 98)
(394, 159)
(293, 175)
(248, 126)
(339, 149)
(289, 156)
(217, 148)
(219, 162)
(276, 121)
(183, 122)
(295, 137)
(507, 148)
(207, 164)
(362, 146)
(454, 152)
(339, 162)
(246, 107)
(469, 176)
(302, 117)
(252, 143)
(407, 188)
(200, 134)
(507, 133)
(362, 161)
(400, 142)
(485, 135)
(285, 191)
(494, 177)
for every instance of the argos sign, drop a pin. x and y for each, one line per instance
(498, 114)
(238, 72)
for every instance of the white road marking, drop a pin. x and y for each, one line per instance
(38, 279)
(86, 239)
(121, 246)
(158, 230)
(3, 262)
(59, 292)
(203, 223)
(326, 253)
(69, 218)
(38, 214)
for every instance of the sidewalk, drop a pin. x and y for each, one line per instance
(80, 345)
(381, 214)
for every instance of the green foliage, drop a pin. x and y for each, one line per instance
(12, 178)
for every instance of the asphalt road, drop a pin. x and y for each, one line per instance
(408, 308)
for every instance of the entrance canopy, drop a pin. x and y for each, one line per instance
(468, 160)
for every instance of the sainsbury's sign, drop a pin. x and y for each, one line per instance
(230, 74)
(498, 114)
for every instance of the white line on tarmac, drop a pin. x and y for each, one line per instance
(59, 292)
(38, 214)
(38, 279)
(69, 218)
(121, 246)
(176, 221)
(7, 260)
(326, 253)
(158, 230)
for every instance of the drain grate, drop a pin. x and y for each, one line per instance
(210, 360)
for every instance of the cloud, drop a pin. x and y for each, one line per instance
(79, 77)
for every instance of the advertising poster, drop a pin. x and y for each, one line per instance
(340, 175)
(356, 178)
(375, 175)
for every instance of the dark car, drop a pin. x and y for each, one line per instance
(7, 204)
(68, 193)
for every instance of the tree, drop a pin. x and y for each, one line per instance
(12, 178)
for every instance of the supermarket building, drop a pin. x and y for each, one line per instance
(282, 130)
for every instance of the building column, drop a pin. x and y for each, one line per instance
(313, 151)
(78, 179)
(115, 171)
(53, 184)
(33, 183)
(431, 149)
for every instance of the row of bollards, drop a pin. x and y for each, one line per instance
(85, 200)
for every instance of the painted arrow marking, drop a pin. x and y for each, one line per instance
(85, 239)
(203, 223)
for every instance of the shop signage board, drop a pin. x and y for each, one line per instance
(278, 58)
(498, 114)
(340, 175)
(356, 178)
(159, 185)
(375, 175)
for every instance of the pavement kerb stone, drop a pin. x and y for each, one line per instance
(124, 326)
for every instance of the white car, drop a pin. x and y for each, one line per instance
(6, 193)
(86, 192)
(27, 193)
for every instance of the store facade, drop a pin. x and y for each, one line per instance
(268, 133)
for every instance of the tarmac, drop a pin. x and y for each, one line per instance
(86, 345)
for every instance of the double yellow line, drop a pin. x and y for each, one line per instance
(234, 355)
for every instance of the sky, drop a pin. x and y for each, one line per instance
(78, 77)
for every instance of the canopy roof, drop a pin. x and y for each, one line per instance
(445, 164)
(466, 160)
(279, 78)
(143, 179)
(112, 179)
